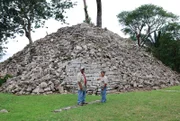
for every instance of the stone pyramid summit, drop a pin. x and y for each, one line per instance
(50, 64)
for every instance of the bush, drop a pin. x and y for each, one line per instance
(168, 52)
(4, 79)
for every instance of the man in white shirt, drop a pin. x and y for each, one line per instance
(82, 82)
(103, 85)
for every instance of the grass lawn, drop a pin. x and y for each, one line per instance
(133, 106)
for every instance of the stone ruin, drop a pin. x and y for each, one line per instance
(50, 64)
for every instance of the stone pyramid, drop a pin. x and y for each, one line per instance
(50, 64)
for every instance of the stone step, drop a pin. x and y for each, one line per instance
(74, 106)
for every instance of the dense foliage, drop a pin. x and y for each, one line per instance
(142, 22)
(21, 17)
(157, 29)
(167, 48)
(4, 79)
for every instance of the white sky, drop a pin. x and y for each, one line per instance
(76, 15)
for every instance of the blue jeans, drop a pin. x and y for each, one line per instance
(81, 96)
(103, 95)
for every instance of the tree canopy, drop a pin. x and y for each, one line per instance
(167, 49)
(144, 21)
(23, 16)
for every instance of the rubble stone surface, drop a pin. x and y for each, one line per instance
(50, 64)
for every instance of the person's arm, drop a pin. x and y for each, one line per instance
(80, 85)
(104, 86)
(79, 82)
(98, 79)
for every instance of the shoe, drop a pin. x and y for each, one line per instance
(80, 104)
(103, 101)
(84, 103)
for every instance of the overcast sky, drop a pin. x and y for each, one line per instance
(76, 15)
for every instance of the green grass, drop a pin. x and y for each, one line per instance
(173, 88)
(133, 106)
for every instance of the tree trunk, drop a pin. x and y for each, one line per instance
(28, 32)
(28, 35)
(87, 19)
(30, 38)
(99, 13)
(138, 39)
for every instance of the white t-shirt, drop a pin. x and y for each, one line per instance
(103, 81)
(80, 78)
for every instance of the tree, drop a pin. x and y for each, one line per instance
(99, 13)
(168, 52)
(168, 47)
(144, 21)
(87, 18)
(173, 30)
(4, 21)
(1, 50)
(4, 26)
(23, 16)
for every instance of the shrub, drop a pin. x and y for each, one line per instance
(4, 79)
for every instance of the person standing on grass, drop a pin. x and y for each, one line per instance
(103, 85)
(82, 82)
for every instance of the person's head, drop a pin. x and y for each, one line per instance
(103, 73)
(82, 69)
